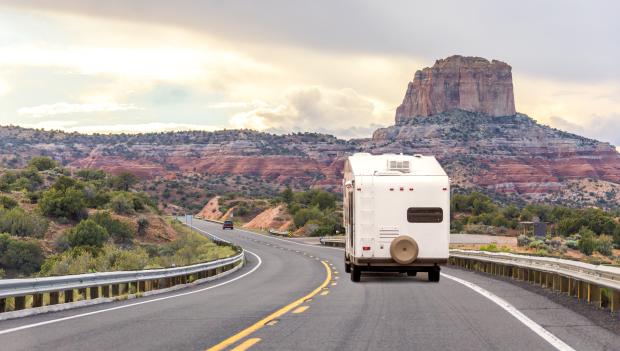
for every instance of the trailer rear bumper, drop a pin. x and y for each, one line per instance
(389, 265)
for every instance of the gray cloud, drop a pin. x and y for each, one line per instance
(603, 128)
(563, 40)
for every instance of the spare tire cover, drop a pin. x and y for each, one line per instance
(404, 249)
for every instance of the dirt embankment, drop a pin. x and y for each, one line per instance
(211, 210)
(275, 218)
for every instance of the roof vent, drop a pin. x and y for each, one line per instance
(400, 166)
(417, 155)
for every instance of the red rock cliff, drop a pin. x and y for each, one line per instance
(467, 83)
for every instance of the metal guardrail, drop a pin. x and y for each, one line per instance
(279, 233)
(332, 241)
(19, 294)
(592, 283)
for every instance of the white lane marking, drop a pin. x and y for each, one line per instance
(535, 327)
(28, 326)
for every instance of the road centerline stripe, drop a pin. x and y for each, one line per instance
(246, 344)
(261, 323)
(533, 326)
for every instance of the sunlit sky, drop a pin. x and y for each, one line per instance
(339, 67)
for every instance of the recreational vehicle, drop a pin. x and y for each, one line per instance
(396, 214)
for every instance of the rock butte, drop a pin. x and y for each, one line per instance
(467, 83)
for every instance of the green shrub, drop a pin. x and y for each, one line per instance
(87, 233)
(122, 203)
(7, 202)
(605, 245)
(88, 174)
(22, 257)
(123, 181)
(572, 244)
(538, 244)
(42, 163)
(120, 231)
(143, 224)
(305, 214)
(524, 240)
(19, 223)
(588, 242)
(69, 203)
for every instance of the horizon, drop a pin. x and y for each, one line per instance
(192, 66)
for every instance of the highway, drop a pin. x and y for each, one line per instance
(311, 304)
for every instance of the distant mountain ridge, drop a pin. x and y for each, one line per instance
(479, 146)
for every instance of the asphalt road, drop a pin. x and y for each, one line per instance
(382, 312)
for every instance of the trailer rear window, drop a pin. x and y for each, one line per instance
(424, 214)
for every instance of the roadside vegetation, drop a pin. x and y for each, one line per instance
(591, 231)
(55, 221)
(314, 211)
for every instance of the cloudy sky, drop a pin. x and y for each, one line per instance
(332, 66)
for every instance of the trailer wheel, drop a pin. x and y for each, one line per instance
(412, 273)
(433, 275)
(356, 273)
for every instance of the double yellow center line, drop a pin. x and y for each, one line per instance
(258, 325)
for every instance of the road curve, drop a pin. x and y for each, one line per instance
(383, 312)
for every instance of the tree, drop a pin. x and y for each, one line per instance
(287, 195)
(42, 163)
(120, 231)
(124, 181)
(89, 174)
(87, 233)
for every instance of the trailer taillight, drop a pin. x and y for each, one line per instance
(401, 188)
(366, 248)
(444, 189)
(391, 189)
(410, 189)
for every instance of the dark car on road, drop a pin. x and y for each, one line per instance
(227, 225)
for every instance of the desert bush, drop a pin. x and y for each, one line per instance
(19, 223)
(538, 244)
(42, 163)
(555, 243)
(22, 257)
(572, 244)
(303, 215)
(7, 202)
(88, 174)
(88, 234)
(143, 224)
(69, 203)
(587, 243)
(523, 240)
(605, 245)
(120, 231)
(122, 203)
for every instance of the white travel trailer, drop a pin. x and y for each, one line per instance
(396, 214)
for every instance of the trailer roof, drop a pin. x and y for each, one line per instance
(367, 164)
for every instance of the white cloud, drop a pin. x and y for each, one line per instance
(237, 104)
(62, 108)
(4, 88)
(344, 112)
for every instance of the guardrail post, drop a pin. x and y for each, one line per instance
(594, 294)
(20, 302)
(105, 291)
(94, 292)
(614, 301)
(37, 300)
(54, 298)
(82, 294)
